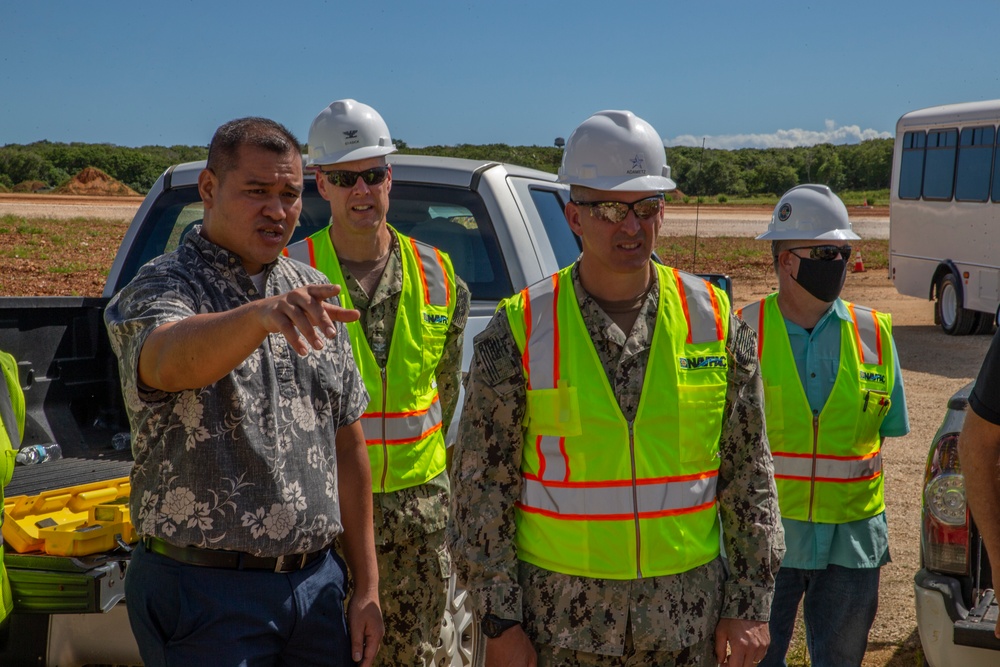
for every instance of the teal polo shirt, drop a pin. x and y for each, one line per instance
(858, 544)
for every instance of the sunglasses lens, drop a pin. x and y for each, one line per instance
(346, 179)
(647, 207)
(375, 175)
(828, 253)
(609, 211)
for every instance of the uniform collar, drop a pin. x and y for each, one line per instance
(225, 261)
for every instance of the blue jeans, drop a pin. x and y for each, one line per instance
(839, 610)
(186, 615)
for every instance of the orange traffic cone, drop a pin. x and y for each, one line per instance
(859, 266)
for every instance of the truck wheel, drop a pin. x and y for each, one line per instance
(955, 319)
(461, 643)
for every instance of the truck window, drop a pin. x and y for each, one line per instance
(975, 159)
(550, 207)
(939, 164)
(453, 220)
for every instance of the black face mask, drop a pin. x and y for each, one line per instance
(823, 279)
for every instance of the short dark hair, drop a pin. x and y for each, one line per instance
(251, 131)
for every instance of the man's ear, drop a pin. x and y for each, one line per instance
(208, 187)
(322, 184)
(572, 212)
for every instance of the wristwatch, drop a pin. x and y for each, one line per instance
(493, 626)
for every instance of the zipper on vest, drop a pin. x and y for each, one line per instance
(385, 446)
(812, 478)
(635, 502)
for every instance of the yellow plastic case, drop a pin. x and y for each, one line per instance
(76, 521)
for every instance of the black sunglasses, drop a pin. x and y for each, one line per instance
(346, 179)
(616, 211)
(826, 253)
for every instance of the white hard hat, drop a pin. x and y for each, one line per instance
(615, 150)
(347, 130)
(809, 213)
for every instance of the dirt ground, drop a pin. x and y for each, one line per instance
(934, 366)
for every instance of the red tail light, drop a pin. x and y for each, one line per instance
(945, 533)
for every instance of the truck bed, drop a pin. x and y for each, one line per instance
(71, 389)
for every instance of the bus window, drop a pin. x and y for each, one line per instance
(911, 169)
(939, 164)
(975, 159)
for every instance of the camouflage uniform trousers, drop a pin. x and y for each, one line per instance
(413, 591)
(701, 654)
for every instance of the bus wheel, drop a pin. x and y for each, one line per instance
(984, 323)
(955, 319)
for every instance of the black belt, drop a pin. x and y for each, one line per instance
(231, 560)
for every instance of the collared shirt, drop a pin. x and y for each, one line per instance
(403, 514)
(857, 544)
(588, 614)
(249, 462)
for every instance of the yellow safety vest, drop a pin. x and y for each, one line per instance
(402, 424)
(8, 366)
(600, 496)
(828, 467)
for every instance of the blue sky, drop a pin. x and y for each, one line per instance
(735, 73)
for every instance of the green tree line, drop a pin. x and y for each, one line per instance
(55, 163)
(702, 172)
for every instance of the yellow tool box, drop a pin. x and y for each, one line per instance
(76, 521)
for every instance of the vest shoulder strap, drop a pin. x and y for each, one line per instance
(438, 289)
(301, 251)
(868, 332)
(701, 308)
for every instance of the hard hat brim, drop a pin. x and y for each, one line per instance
(636, 184)
(804, 235)
(362, 153)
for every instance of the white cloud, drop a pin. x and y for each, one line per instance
(845, 134)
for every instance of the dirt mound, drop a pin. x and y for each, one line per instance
(93, 181)
(30, 186)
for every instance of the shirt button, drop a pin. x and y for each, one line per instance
(232, 260)
(252, 292)
(812, 375)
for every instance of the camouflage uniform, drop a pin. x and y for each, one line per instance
(668, 616)
(413, 560)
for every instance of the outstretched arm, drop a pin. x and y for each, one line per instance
(201, 349)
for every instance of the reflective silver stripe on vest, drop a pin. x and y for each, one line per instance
(752, 314)
(550, 448)
(801, 467)
(541, 343)
(615, 501)
(542, 371)
(437, 290)
(401, 429)
(300, 252)
(701, 311)
(868, 333)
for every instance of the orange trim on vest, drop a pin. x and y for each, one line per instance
(615, 517)
(423, 276)
(857, 333)
(684, 303)
(404, 441)
(645, 481)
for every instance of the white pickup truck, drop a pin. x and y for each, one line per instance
(504, 228)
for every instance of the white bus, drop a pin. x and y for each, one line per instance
(944, 213)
